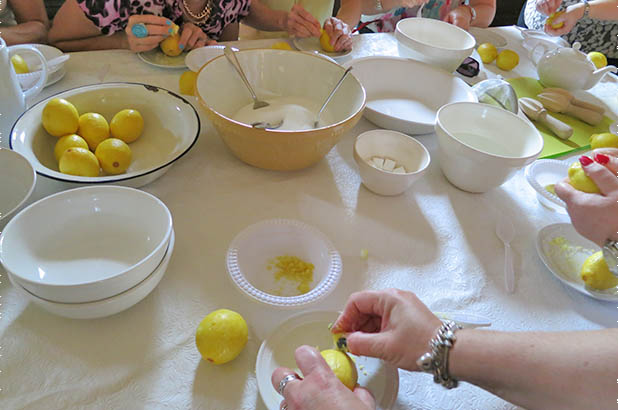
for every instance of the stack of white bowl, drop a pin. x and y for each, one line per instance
(88, 252)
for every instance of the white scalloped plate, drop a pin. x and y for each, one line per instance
(544, 172)
(311, 328)
(565, 256)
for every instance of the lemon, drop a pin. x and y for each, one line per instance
(552, 16)
(93, 128)
(343, 367)
(187, 83)
(80, 162)
(325, 42)
(60, 117)
(221, 336)
(169, 46)
(19, 64)
(281, 45)
(598, 59)
(580, 181)
(114, 155)
(488, 52)
(127, 125)
(604, 140)
(596, 274)
(68, 141)
(551, 188)
(507, 60)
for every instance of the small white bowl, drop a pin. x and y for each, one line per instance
(482, 146)
(171, 128)
(17, 181)
(544, 172)
(197, 57)
(407, 94)
(86, 244)
(402, 149)
(252, 250)
(434, 42)
(105, 307)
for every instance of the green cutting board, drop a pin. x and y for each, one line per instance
(554, 146)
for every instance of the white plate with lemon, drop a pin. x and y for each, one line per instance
(564, 252)
(312, 44)
(311, 328)
(157, 58)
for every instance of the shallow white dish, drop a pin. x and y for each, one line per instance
(155, 57)
(541, 35)
(251, 250)
(17, 181)
(197, 57)
(312, 44)
(55, 72)
(544, 172)
(398, 147)
(485, 35)
(171, 127)
(311, 328)
(407, 94)
(105, 307)
(86, 244)
(565, 262)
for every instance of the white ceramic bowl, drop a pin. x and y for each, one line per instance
(197, 57)
(108, 306)
(171, 127)
(17, 181)
(86, 244)
(434, 42)
(279, 73)
(402, 149)
(407, 94)
(251, 251)
(482, 146)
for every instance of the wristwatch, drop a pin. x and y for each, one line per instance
(586, 8)
(610, 253)
(472, 11)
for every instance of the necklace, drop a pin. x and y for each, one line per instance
(202, 15)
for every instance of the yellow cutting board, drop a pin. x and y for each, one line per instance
(554, 146)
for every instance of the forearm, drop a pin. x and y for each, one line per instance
(567, 370)
(115, 41)
(350, 12)
(264, 18)
(599, 9)
(28, 32)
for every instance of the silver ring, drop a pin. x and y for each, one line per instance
(284, 407)
(285, 381)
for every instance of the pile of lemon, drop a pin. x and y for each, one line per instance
(87, 143)
(505, 60)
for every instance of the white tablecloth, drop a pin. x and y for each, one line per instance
(434, 240)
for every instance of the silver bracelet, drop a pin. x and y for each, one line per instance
(436, 361)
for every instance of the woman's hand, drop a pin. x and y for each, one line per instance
(569, 18)
(300, 23)
(547, 7)
(339, 33)
(392, 325)
(191, 36)
(158, 29)
(319, 389)
(460, 17)
(595, 216)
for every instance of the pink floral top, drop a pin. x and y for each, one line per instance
(112, 16)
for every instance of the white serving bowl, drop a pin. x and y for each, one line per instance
(402, 149)
(407, 94)
(197, 57)
(86, 244)
(17, 181)
(482, 146)
(171, 127)
(108, 306)
(251, 251)
(279, 73)
(434, 42)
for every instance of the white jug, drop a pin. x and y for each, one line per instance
(12, 98)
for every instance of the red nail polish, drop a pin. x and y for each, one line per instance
(585, 160)
(601, 159)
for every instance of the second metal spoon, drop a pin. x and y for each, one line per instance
(317, 118)
(230, 54)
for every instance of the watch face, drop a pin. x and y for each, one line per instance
(611, 257)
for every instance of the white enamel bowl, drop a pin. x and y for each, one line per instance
(17, 181)
(407, 94)
(434, 42)
(279, 73)
(251, 251)
(171, 127)
(86, 244)
(104, 307)
(402, 149)
(482, 146)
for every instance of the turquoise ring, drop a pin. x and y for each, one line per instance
(139, 30)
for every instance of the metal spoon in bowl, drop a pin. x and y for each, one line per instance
(266, 125)
(317, 118)
(230, 54)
